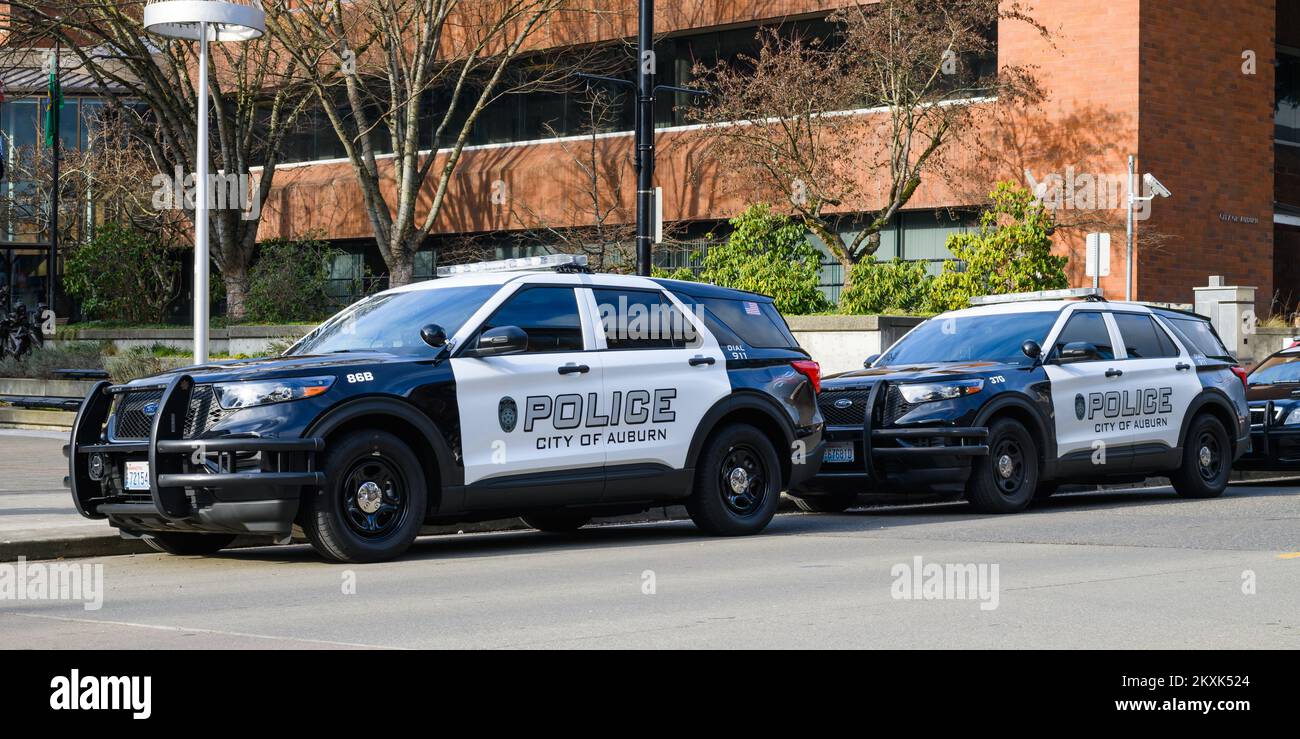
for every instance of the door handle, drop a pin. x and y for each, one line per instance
(1114, 372)
(574, 369)
(1182, 366)
(697, 361)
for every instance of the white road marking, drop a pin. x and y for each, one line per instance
(216, 632)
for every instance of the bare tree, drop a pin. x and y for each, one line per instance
(375, 67)
(254, 103)
(787, 126)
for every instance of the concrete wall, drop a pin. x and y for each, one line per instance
(841, 343)
(235, 340)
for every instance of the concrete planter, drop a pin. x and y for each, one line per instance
(234, 340)
(1265, 341)
(841, 343)
(44, 388)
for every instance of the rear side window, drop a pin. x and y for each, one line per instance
(758, 324)
(1142, 338)
(1200, 335)
(1087, 327)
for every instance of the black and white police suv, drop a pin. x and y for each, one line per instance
(1012, 397)
(555, 395)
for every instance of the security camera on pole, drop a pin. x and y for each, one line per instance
(1155, 188)
(204, 21)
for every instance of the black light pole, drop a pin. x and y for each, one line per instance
(645, 137)
(644, 131)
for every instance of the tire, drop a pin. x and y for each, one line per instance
(373, 501)
(560, 522)
(1005, 480)
(737, 483)
(831, 503)
(1207, 460)
(169, 542)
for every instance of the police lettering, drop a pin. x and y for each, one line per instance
(572, 410)
(1124, 403)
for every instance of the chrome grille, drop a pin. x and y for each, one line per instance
(130, 420)
(852, 413)
(132, 424)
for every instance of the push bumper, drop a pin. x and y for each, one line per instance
(194, 484)
(897, 459)
(1273, 446)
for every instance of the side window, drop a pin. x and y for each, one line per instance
(1142, 338)
(549, 315)
(757, 323)
(1088, 327)
(642, 319)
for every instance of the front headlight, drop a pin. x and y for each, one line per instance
(232, 395)
(931, 391)
(1293, 417)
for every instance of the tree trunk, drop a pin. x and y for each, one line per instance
(236, 282)
(401, 270)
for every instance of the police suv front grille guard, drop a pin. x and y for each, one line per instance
(168, 449)
(871, 435)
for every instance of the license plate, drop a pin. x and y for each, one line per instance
(839, 453)
(137, 476)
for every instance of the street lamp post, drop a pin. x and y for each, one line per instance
(204, 21)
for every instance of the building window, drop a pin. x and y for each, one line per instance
(1287, 115)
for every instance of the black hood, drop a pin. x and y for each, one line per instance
(274, 368)
(916, 373)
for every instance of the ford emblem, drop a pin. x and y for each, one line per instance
(843, 403)
(149, 409)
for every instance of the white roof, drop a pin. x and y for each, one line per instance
(1043, 306)
(532, 276)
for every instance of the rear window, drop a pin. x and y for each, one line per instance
(756, 323)
(1199, 334)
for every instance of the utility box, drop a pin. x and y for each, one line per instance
(1231, 308)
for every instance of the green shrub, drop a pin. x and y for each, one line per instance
(1010, 252)
(122, 274)
(886, 287)
(289, 280)
(681, 273)
(145, 361)
(768, 253)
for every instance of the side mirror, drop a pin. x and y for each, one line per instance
(434, 335)
(1032, 349)
(866, 363)
(1079, 351)
(501, 340)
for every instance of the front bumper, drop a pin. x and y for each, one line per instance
(898, 459)
(195, 484)
(1273, 446)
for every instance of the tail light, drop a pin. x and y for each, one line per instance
(811, 370)
(1241, 375)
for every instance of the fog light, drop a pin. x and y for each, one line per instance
(96, 467)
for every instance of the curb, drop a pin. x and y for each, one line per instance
(71, 547)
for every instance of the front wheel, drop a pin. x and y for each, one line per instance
(1005, 481)
(170, 542)
(737, 483)
(373, 501)
(1206, 460)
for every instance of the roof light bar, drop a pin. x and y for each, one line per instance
(1066, 294)
(546, 261)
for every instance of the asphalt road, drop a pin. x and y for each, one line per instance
(1126, 569)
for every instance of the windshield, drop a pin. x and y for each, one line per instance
(391, 322)
(995, 338)
(1277, 369)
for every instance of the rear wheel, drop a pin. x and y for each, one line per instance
(373, 501)
(556, 522)
(831, 503)
(170, 542)
(1207, 458)
(737, 483)
(1005, 481)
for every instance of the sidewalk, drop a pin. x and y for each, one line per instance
(37, 518)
